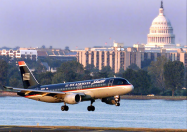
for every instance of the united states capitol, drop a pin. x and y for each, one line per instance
(160, 42)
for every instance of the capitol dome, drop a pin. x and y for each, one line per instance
(161, 20)
(161, 31)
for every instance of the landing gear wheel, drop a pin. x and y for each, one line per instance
(90, 108)
(64, 108)
(117, 104)
(117, 100)
(93, 108)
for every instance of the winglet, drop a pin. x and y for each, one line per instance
(21, 63)
(7, 89)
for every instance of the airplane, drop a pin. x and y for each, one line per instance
(106, 89)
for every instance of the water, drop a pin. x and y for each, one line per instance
(131, 113)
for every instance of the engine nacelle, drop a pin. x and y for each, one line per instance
(72, 99)
(109, 100)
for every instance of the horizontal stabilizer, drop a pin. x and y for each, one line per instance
(8, 89)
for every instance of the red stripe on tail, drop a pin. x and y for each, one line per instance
(21, 63)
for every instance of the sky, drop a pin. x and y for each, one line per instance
(85, 23)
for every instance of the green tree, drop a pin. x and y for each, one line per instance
(71, 66)
(45, 78)
(130, 75)
(43, 47)
(59, 78)
(133, 66)
(86, 75)
(39, 68)
(140, 80)
(143, 82)
(5, 58)
(105, 72)
(13, 82)
(145, 64)
(174, 75)
(120, 73)
(156, 70)
(185, 77)
(90, 67)
(13, 75)
(3, 72)
(52, 61)
(68, 72)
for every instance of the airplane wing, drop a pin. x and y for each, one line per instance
(42, 92)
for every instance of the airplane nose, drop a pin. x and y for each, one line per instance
(131, 88)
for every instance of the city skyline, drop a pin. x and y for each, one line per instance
(85, 23)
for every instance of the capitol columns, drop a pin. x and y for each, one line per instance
(156, 39)
(159, 39)
(170, 40)
(167, 40)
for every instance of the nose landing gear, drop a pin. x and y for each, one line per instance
(117, 100)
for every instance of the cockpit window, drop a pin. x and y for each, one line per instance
(120, 82)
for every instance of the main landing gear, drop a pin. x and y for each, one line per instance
(117, 100)
(64, 108)
(91, 108)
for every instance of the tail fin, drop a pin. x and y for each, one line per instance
(28, 78)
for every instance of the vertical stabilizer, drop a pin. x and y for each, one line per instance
(28, 78)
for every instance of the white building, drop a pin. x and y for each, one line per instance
(21, 53)
(161, 32)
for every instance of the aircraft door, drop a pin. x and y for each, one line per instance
(110, 82)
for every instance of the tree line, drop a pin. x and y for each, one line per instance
(161, 77)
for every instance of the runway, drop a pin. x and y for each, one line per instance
(10, 128)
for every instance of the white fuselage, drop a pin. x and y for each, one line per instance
(95, 93)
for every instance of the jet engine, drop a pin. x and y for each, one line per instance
(72, 99)
(109, 100)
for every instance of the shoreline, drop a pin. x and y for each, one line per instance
(82, 128)
(144, 97)
(130, 97)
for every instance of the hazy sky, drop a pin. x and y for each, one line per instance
(85, 23)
